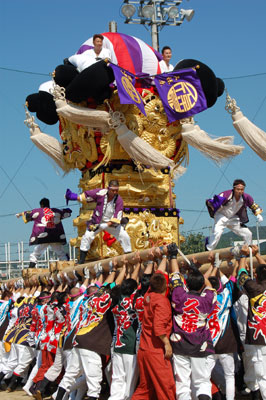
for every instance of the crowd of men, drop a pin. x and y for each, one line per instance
(142, 331)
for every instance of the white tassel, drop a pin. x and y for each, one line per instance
(46, 143)
(218, 149)
(253, 136)
(79, 115)
(178, 172)
(141, 151)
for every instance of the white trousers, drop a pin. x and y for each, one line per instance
(124, 376)
(12, 362)
(220, 223)
(4, 356)
(54, 371)
(191, 372)
(85, 362)
(39, 249)
(257, 366)
(249, 376)
(228, 365)
(34, 371)
(79, 389)
(118, 232)
(25, 356)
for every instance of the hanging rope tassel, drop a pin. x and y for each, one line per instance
(139, 150)
(218, 149)
(46, 143)
(253, 136)
(77, 114)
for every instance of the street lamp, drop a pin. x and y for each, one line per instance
(156, 14)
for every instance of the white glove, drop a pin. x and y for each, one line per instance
(86, 273)
(217, 261)
(259, 218)
(67, 278)
(98, 270)
(58, 277)
(236, 251)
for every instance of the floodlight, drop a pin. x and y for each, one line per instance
(147, 11)
(172, 12)
(188, 14)
(128, 10)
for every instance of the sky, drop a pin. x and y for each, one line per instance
(229, 36)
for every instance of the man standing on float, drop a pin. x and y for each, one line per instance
(106, 216)
(47, 230)
(229, 210)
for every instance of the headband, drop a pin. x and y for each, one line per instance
(220, 286)
(77, 294)
(45, 297)
(97, 286)
(113, 187)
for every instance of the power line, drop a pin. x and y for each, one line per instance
(43, 74)
(23, 72)
(14, 213)
(245, 76)
(17, 189)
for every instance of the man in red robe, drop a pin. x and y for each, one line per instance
(155, 351)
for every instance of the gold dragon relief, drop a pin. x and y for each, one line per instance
(87, 148)
(144, 228)
(101, 158)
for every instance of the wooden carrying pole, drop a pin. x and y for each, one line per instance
(202, 258)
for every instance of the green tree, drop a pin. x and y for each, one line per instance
(194, 243)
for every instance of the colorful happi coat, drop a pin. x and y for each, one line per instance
(47, 227)
(5, 307)
(256, 321)
(220, 321)
(19, 332)
(218, 201)
(95, 328)
(72, 311)
(126, 325)
(99, 196)
(191, 335)
(47, 325)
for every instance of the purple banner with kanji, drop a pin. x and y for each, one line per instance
(125, 82)
(181, 93)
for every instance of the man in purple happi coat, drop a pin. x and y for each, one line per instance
(106, 216)
(47, 230)
(191, 340)
(229, 210)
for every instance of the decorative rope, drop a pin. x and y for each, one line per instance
(59, 93)
(116, 119)
(230, 105)
(29, 121)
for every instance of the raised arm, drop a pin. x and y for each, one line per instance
(212, 270)
(255, 252)
(172, 250)
(136, 270)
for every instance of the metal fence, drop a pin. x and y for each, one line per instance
(14, 257)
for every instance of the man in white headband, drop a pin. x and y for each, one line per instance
(106, 216)
(229, 210)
